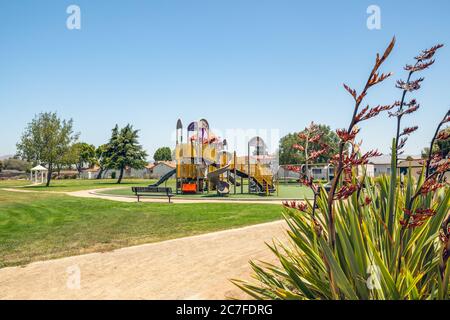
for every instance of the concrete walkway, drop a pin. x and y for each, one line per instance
(197, 267)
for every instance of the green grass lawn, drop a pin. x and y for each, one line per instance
(13, 183)
(286, 191)
(84, 184)
(38, 226)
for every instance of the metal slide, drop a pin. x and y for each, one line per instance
(232, 179)
(214, 176)
(255, 181)
(164, 178)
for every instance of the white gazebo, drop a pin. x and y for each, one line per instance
(38, 174)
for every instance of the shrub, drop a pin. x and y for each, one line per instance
(366, 238)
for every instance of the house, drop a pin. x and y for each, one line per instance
(416, 167)
(322, 172)
(381, 165)
(318, 172)
(114, 173)
(158, 169)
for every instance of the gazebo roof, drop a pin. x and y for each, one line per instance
(39, 168)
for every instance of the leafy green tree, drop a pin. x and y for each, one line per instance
(441, 146)
(290, 155)
(102, 160)
(84, 155)
(444, 144)
(124, 150)
(163, 154)
(16, 164)
(45, 140)
(1, 166)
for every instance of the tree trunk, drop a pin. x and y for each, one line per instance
(79, 169)
(49, 174)
(120, 175)
(100, 172)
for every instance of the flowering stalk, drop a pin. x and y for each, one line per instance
(313, 148)
(342, 162)
(433, 140)
(423, 61)
(431, 184)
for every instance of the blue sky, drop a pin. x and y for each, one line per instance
(248, 64)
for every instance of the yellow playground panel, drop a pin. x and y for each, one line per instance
(203, 164)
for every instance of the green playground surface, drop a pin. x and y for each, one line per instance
(284, 191)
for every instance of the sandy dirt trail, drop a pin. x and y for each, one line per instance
(197, 267)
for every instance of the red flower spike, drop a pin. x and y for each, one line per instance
(408, 131)
(345, 136)
(367, 201)
(443, 135)
(298, 147)
(351, 91)
(409, 86)
(428, 53)
(293, 168)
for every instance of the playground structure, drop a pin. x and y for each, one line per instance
(203, 164)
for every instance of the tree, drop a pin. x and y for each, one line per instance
(444, 144)
(1, 166)
(441, 146)
(84, 155)
(163, 154)
(45, 140)
(16, 164)
(102, 160)
(290, 155)
(124, 150)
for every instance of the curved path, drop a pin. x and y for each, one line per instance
(94, 193)
(197, 267)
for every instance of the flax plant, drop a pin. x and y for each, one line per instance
(356, 242)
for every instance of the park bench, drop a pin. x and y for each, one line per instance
(152, 191)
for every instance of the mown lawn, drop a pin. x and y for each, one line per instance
(38, 226)
(85, 184)
(13, 183)
(285, 191)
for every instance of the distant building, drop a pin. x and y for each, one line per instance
(416, 167)
(321, 172)
(158, 169)
(381, 165)
(90, 173)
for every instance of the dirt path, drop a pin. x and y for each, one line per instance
(196, 267)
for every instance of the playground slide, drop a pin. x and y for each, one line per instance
(164, 178)
(232, 179)
(241, 174)
(257, 181)
(214, 176)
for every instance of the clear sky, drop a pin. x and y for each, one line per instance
(241, 64)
